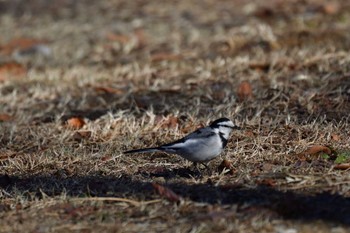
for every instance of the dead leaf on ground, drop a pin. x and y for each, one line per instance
(245, 91)
(110, 90)
(166, 192)
(335, 137)
(225, 164)
(267, 182)
(76, 122)
(106, 158)
(5, 117)
(331, 8)
(342, 166)
(260, 66)
(80, 135)
(12, 70)
(314, 150)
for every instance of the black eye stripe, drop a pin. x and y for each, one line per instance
(227, 126)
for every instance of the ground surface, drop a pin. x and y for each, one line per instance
(141, 73)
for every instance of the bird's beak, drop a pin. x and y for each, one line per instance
(237, 127)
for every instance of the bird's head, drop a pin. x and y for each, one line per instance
(224, 126)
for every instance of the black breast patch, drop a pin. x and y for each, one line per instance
(223, 140)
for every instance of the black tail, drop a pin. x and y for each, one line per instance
(145, 150)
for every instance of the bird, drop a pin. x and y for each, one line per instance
(200, 146)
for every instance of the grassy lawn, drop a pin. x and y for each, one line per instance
(83, 81)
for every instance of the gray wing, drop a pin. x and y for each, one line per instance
(199, 133)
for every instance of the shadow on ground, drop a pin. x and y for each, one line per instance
(289, 205)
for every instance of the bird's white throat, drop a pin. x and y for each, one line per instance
(225, 131)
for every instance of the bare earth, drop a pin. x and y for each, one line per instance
(142, 73)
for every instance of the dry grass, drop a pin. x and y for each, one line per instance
(142, 73)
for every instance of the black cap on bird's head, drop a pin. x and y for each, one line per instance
(224, 122)
(220, 120)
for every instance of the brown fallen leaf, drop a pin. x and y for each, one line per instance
(106, 158)
(331, 8)
(12, 70)
(316, 149)
(313, 151)
(76, 122)
(267, 182)
(166, 192)
(342, 166)
(5, 117)
(260, 66)
(225, 164)
(335, 137)
(110, 90)
(244, 91)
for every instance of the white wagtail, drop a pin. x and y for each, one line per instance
(202, 145)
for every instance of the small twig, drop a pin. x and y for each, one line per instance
(115, 199)
(327, 56)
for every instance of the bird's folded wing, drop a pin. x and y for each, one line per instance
(198, 134)
(201, 133)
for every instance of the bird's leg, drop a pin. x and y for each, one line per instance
(208, 170)
(205, 164)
